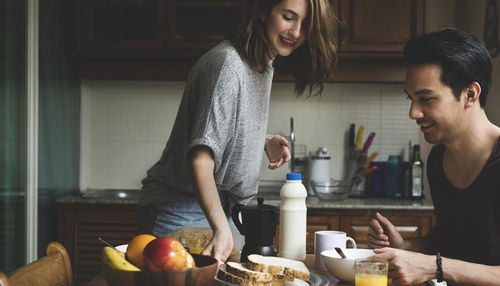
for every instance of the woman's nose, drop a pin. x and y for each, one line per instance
(295, 30)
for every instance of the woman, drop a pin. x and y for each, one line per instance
(213, 155)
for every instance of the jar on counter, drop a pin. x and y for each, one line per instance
(394, 176)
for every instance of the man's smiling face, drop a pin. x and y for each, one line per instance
(433, 105)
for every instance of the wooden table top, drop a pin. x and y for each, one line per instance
(309, 262)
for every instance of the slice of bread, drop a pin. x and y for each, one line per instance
(240, 270)
(223, 275)
(278, 266)
(226, 276)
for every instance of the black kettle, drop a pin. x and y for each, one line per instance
(258, 225)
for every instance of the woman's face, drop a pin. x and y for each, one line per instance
(285, 27)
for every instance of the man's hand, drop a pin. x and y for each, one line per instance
(220, 246)
(382, 233)
(407, 267)
(277, 152)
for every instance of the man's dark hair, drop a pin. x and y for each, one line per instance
(463, 59)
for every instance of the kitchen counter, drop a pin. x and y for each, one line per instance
(368, 203)
(130, 197)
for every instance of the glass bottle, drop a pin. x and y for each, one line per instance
(416, 171)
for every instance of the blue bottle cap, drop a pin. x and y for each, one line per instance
(293, 176)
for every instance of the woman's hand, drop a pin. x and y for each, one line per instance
(277, 152)
(203, 166)
(220, 246)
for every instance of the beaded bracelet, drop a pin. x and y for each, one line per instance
(439, 271)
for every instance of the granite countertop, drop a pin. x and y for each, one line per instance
(368, 203)
(131, 197)
(108, 197)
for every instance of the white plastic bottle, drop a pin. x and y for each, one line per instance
(293, 218)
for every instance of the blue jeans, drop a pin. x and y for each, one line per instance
(163, 219)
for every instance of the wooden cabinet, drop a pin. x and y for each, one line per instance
(411, 224)
(79, 225)
(112, 26)
(415, 224)
(382, 26)
(149, 39)
(161, 39)
(372, 35)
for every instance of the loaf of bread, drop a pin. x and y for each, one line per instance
(263, 271)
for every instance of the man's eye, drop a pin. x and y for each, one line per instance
(427, 99)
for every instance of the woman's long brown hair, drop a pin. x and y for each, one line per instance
(310, 64)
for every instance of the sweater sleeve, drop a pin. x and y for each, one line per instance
(215, 118)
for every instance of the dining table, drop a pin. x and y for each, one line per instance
(99, 280)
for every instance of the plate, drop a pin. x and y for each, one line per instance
(318, 279)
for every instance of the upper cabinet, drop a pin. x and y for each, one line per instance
(378, 27)
(149, 39)
(161, 39)
(372, 35)
(122, 26)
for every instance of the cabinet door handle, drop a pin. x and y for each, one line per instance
(342, 30)
(407, 228)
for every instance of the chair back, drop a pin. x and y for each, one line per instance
(3, 280)
(51, 270)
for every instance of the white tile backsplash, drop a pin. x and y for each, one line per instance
(125, 125)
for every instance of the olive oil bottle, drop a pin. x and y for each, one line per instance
(416, 174)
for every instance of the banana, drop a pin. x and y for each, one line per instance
(116, 260)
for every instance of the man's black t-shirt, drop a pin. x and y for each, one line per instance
(468, 221)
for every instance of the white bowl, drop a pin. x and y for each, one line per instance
(343, 268)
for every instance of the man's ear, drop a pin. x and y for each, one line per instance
(472, 93)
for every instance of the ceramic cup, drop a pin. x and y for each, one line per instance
(328, 240)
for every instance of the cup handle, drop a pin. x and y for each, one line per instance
(352, 242)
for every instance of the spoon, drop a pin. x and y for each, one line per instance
(107, 243)
(340, 252)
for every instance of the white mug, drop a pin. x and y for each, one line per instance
(327, 240)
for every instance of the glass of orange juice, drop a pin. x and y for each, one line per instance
(371, 272)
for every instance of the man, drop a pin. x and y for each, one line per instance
(447, 82)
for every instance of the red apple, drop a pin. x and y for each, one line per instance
(190, 261)
(166, 253)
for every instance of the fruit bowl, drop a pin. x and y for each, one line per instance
(203, 274)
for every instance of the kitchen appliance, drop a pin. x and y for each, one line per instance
(319, 168)
(258, 225)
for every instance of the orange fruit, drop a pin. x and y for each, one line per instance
(136, 247)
